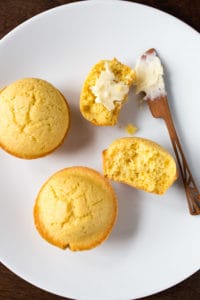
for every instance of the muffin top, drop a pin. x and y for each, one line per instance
(75, 208)
(34, 118)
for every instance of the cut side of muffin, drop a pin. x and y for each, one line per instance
(104, 91)
(34, 118)
(140, 163)
(76, 208)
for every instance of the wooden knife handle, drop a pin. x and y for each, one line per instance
(192, 192)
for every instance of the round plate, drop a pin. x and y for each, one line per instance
(155, 243)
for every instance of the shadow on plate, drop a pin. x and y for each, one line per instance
(128, 213)
(130, 110)
(80, 133)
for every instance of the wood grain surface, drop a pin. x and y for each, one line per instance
(14, 12)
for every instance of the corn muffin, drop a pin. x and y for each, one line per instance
(140, 163)
(34, 118)
(76, 208)
(104, 91)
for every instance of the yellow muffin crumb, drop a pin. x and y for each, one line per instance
(131, 129)
(140, 163)
(75, 208)
(34, 118)
(97, 113)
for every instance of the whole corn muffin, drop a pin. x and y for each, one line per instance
(76, 208)
(34, 118)
(140, 163)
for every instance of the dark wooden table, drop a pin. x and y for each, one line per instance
(14, 12)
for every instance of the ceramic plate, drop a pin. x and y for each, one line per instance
(155, 243)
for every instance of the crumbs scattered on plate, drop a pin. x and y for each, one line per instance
(131, 129)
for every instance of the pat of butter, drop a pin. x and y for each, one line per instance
(107, 89)
(149, 76)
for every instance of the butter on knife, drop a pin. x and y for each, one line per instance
(149, 75)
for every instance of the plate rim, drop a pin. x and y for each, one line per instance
(92, 2)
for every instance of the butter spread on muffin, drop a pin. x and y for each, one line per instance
(107, 90)
(75, 208)
(104, 91)
(34, 118)
(140, 163)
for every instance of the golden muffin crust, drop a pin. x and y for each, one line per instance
(97, 113)
(75, 208)
(34, 118)
(140, 163)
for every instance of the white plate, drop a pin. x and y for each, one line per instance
(155, 243)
